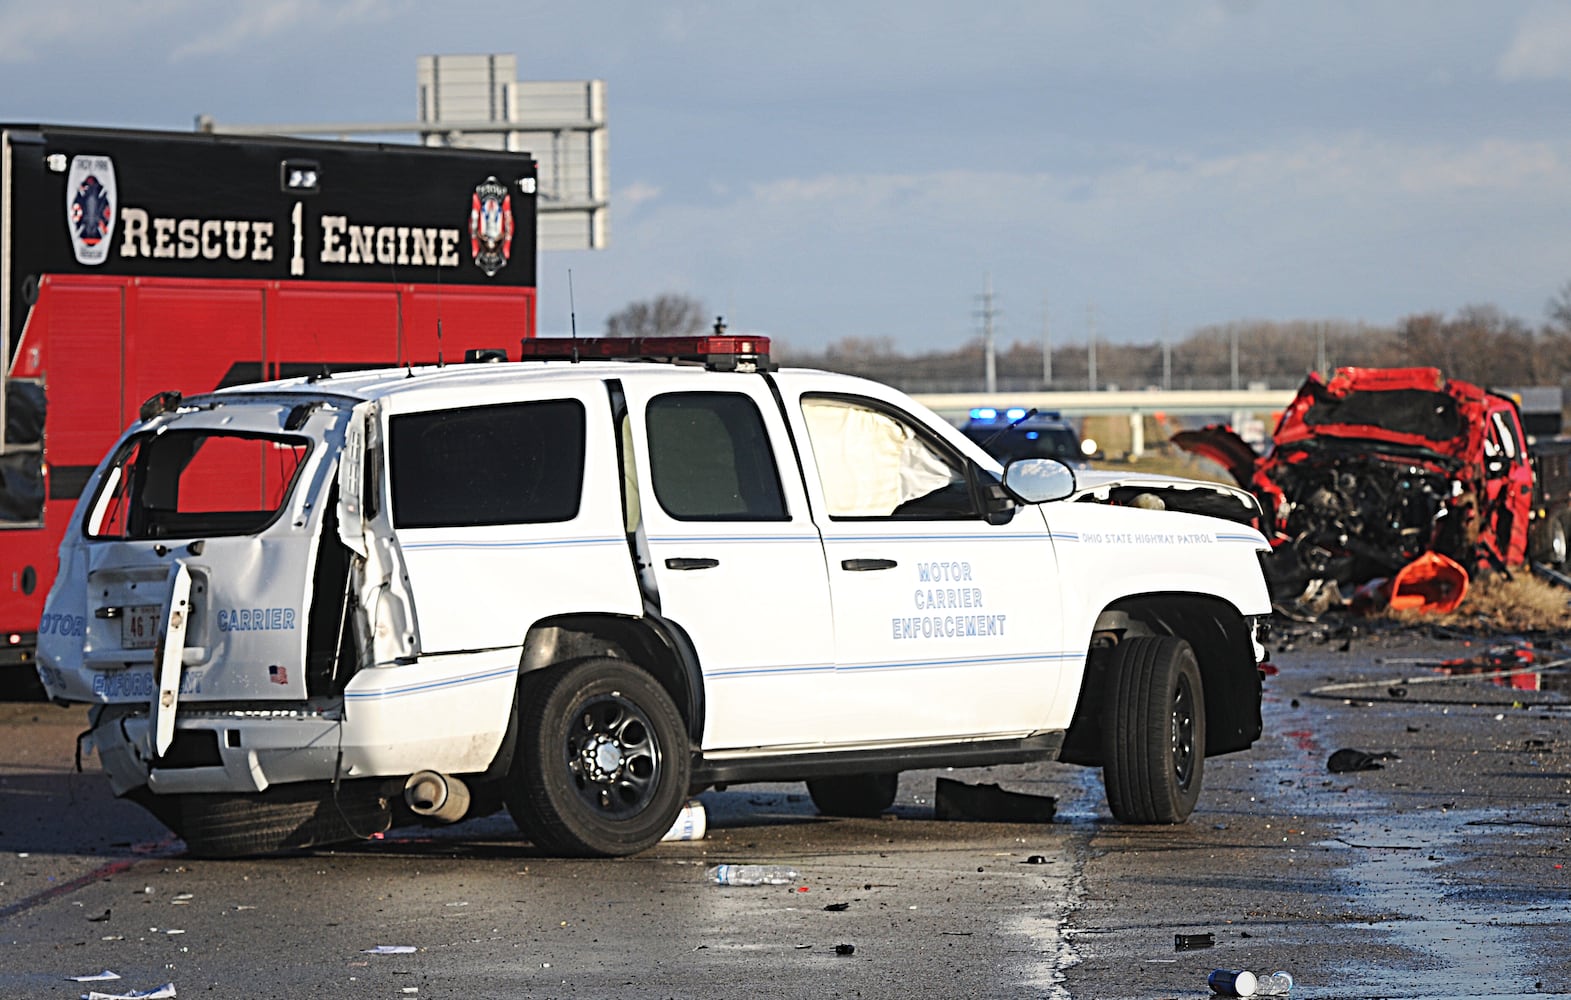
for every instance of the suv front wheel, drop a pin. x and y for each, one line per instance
(602, 762)
(1153, 730)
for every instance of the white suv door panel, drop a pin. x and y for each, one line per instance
(539, 534)
(945, 626)
(742, 575)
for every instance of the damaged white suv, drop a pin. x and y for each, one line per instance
(585, 585)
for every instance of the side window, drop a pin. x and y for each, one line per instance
(875, 463)
(514, 463)
(1502, 437)
(710, 459)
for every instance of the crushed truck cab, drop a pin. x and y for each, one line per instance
(584, 585)
(1374, 468)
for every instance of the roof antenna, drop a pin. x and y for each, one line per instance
(572, 314)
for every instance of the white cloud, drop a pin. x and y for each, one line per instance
(1355, 225)
(257, 20)
(635, 194)
(30, 30)
(1541, 47)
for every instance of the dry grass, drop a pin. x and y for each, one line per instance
(1521, 603)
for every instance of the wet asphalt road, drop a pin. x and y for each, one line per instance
(1446, 873)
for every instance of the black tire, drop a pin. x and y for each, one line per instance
(602, 763)
(1153, 731)
(283, 818)
(863, 795)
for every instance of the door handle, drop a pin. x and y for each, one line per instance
(680, 563)
(863, 565)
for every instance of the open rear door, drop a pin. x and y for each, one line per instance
(386, 630)
(188, 571)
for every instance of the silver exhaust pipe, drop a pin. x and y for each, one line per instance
(441, 797)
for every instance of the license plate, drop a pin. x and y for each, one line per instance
(139, 626)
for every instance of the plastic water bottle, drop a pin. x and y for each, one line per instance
(753, 875)
(1277, 984)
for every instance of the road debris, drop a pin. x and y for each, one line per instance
(163, 992)
(752, 875)
(956, 800)
(1193, 942)
(97, 977)
(692, 823)
(1232, 982)
(391, 949)
(1347, 760)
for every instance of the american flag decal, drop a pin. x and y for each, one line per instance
(277, 674)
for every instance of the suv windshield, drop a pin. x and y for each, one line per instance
(183, 483)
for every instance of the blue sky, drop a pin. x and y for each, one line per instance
(827, 169)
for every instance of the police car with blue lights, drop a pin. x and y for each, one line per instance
(582, 585)
(1017, 432)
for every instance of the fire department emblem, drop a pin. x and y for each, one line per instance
(491, 226)
(90, 207)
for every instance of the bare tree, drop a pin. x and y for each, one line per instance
(1479, 343)
(1559, 309)
(668, 315)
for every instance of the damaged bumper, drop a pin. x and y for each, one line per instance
(391, 722)
(242, 751)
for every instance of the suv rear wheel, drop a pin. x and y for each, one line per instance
(602, 762)
(1153, 730)
(284, 817)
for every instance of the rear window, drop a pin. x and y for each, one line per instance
(514, 463)
(184, 483)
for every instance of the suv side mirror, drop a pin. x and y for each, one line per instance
(1038, 480)
(997, 503)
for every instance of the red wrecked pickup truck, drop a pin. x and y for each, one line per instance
(1379, 468)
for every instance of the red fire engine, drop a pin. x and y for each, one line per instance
(135, 262)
